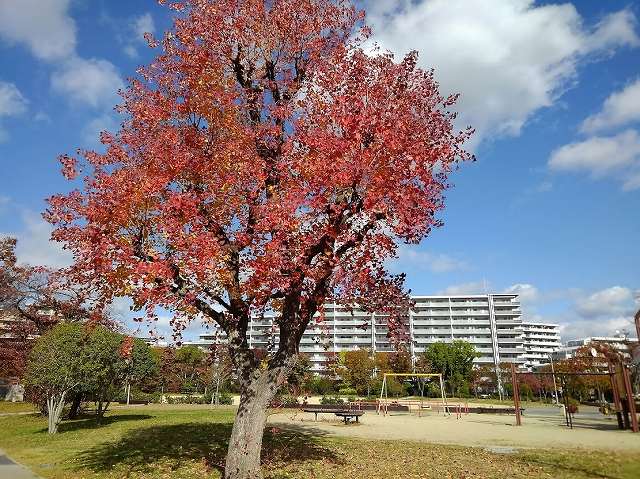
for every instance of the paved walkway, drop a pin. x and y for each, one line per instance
(11, 470)
(24, 413)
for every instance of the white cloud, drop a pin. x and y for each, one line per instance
(137, 28)
(12, 103)
(44, 26)
(94, 82)
(508, 58)
(528, 293)
(597, 327)
(473, 287)
(34, 243)
(621, 108)
(599, 155)
(612, 301)
(42, 117)
(48, 30)
(120, 308)
(618, 28)
(130, 51)
(544, 186)
(91, 131)
(143, 24)
(613, 156)
(414, 259)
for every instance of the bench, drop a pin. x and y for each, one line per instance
(347, 416)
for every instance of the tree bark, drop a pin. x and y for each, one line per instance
(55, 406)
(245, 444)
(75, 405)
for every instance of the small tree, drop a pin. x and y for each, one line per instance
(145, 366)
(190, 365)
(454, 361)
(400, 361)
(55, 368)
(221, 368)
(106, 363)
(35, 298)
(170, 380)
(300, 375)
(358, 369)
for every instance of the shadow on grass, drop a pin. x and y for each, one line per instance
(559, 466)
(88, 421)
(172, 445)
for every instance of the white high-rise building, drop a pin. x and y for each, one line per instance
(541, 341)
(490, 322)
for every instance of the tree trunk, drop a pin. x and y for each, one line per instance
(245, 444)
(75, 405)
(55, 406)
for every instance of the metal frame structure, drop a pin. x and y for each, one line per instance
(383, 401)
(627, 418)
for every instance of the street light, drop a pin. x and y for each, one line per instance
(553, 374)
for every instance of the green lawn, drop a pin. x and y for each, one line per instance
(152, 442)
(9, 407)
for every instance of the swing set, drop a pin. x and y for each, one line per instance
(620, 379)
(384, 402)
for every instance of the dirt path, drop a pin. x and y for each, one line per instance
(542, 431)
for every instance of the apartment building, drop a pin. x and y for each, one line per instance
(541, 341)
(6, 322)
(491, 322)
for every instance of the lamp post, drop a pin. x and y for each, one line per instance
(553, 374)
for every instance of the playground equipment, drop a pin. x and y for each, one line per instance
(620, 381)
(419, 405)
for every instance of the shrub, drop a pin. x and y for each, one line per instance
(139, 396)
(347, 392)
(289, 400)
(224, 397)
(328, 400)
(284, 400)
(573, 405)
(188, 399)
(320, 385)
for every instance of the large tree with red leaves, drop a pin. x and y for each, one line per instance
(266, 163)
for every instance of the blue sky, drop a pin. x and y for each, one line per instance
(550, 209)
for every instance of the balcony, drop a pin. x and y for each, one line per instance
(510, 350)
(431, 314)
(355, 340)
(438, 322)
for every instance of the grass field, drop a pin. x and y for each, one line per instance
(157, 442)
(11, 407)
